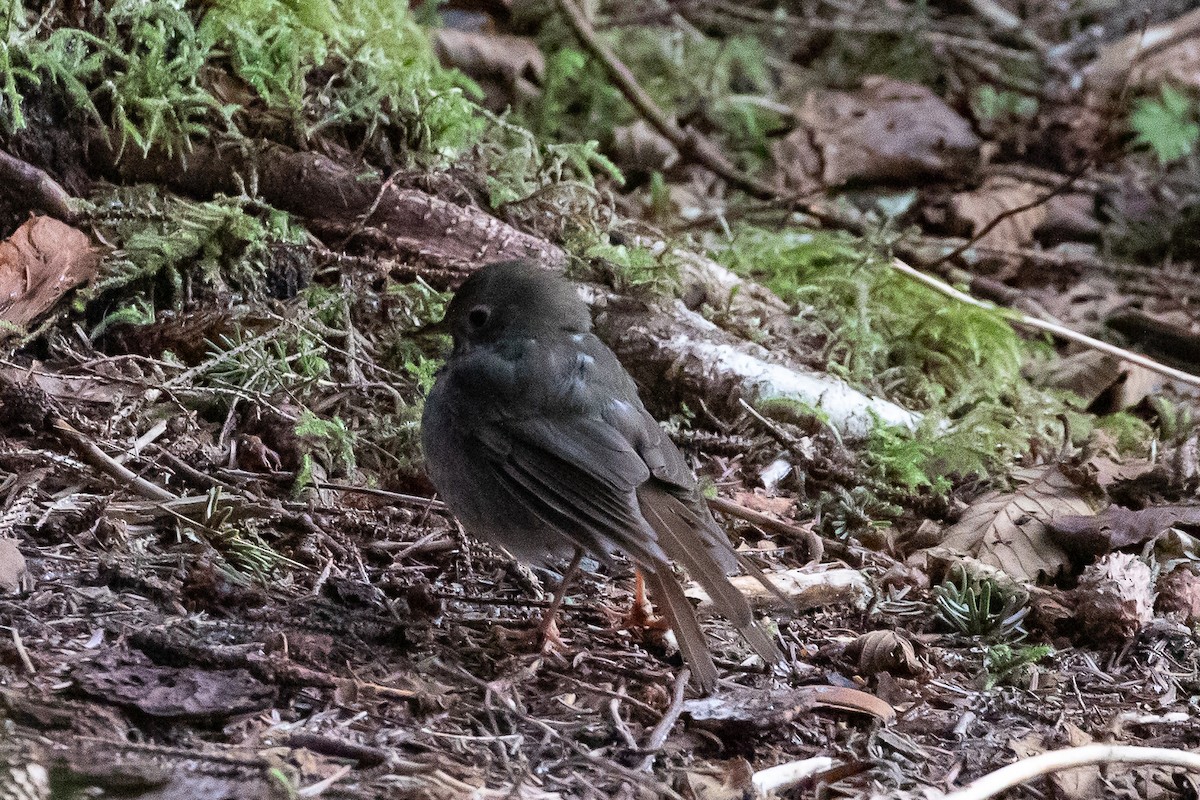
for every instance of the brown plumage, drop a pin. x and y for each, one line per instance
(535, 437)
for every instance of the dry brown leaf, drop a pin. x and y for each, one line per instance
(1169, 52)
(1079, 783)
(1179, 593)
(975, 210)
(639, 146)
(71, 388)
(756, 501)
(884, 651)
(744, 709)
(12, 566)
(39, 263)
(1114, 599)
(490, 54)
(887, 130)
(1118, 527)
(720, 780)
(1071, 216)
(1105, 382)
(1008, 530)
(128, 678)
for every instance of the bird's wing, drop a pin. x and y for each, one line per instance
(564, 430)
(534, 410)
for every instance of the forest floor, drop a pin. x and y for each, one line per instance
(223, 574)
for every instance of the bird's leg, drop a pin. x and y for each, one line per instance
(548, 629)
(640, 615)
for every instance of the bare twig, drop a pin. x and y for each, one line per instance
(645, 784)
(87, 450)
(36, 188)
(813, 542)
(1055, 329)
(690, 144)
(662, 730)
(1010, 212)
(1014, 774)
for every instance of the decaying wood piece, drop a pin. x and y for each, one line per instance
(805, 589)
(693, 356)
(340, 203)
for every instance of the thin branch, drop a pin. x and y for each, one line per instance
(1053, 328)
(1010, 212)
(690, 144)
(662, 730)
(87, 450)
(36, 188)
(1015, 774)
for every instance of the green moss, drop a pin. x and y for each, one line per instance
(169, 248)
(330, 441)
(890, 333)
(141, 78)
(361, 66)
(1132, 435)
(361, 71)
(959, 365)
(629, 268)
(688, 77)
(531, 179)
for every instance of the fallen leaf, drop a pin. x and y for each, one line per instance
(804, 588)
(1117, 527)
(1146, 59)
(884, 651)
(511, 67)
(1009, 530)
(12, 566)
(39, 263)
(73, 388)
(640, 147)
(779, 506)
(888, 130)
(1105, 382)
(1114, 599)
(128, 678)
(976, 209)
(742, 709)
(719, 780)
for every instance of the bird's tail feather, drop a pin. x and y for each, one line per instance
(677, 528)
(675, 606)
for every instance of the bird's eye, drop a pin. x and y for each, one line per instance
(479, 316)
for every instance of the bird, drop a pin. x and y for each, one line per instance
(537, 441)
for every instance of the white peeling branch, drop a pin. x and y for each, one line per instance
(681, 356)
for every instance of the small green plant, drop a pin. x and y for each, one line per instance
(330, 440)
(990, 104)
(245, 553)
(250, 363)
(1166, 124)
(854, 513)
(980, 606)
(1005, 664)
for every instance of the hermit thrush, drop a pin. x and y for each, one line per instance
(536, 439)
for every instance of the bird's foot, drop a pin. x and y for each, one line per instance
(640, 615)
(550, 640)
